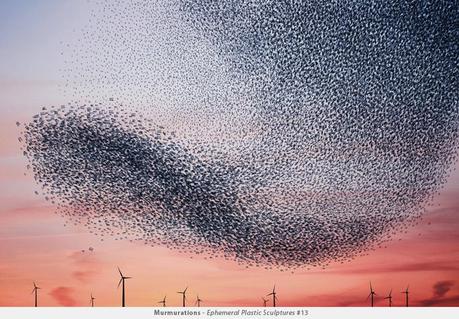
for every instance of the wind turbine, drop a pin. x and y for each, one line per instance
(35, 290)
(390, 298)
(273, 293)
(198, 301)
(123, 296)
(92, 300)
(183, 296)
(265, 301)
(406, 292)
(163, 302)
(372, 294)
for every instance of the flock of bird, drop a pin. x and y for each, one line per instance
(198, 301)
(278, 134)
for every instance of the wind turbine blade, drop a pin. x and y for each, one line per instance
(121, 274)
(121, 280)
(127, 277)
(185, 290)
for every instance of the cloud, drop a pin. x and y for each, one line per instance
(439, 265)
(63, 296)
(83, 259)
(87, 265)
(440, 290)
(452, 301)
(344, 299)
(445, 265)
(84, 276)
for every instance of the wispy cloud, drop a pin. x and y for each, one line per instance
(440, 290)
(337, 300)
(439, 265)
(63, 296)
(84, 276)
(87, 266)
(452, 301)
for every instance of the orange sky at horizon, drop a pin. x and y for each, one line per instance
(36, 247)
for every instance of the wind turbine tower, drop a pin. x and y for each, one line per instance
(122, 282)
(390, 298)
(35, 290)
(265, 301)
(163, 302)
(406, 292)
(372, 294)
(273, 293)
(198, 301)
(183, 293)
